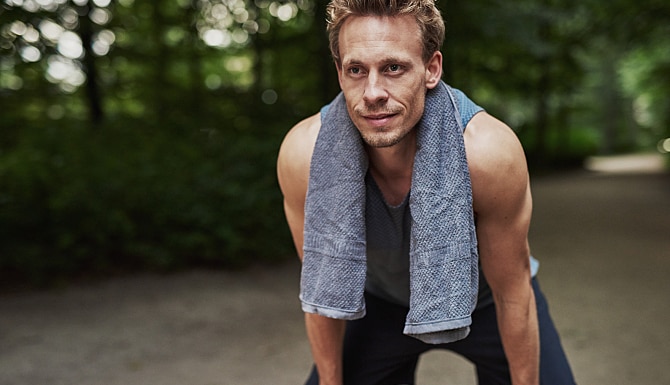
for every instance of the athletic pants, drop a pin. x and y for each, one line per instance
(376, 352)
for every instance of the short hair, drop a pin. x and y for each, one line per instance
(425, 12)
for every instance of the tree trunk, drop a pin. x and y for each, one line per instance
(329, 84)
(93, 95)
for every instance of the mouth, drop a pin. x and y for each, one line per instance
(378, 119)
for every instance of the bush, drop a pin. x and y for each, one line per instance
(76, 201)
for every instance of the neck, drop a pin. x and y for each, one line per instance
(391, 167)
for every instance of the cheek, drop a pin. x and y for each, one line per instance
(415, 108)
(413, 92)
(352, 97)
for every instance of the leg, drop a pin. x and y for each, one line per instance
(484, 348)
(375, 350)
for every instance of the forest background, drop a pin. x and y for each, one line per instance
(142, 135)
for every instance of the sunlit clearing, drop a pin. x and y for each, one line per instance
(216, 38)
(632, 163)
(50, 30)
(29, 6)
(107, 36)
(283, 12)
(664, 146)
(100, 48)
(251, 26)
(241, 15)
(103, 42)
(219, 12)
(59, 69)
(70, 18)
(100, 16)
(31, 35)
(36, 5)
(69, 45)
(30, 54)
(18, 28)
(240, 36)
(65, 72)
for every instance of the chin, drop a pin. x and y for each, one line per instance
(383, 140)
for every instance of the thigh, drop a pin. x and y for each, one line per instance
(376, 352)
(484, 348)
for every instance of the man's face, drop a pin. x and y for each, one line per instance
(383, 76)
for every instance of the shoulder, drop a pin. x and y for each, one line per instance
(497, 164)
(295, 155)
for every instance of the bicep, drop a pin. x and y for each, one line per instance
(293, 174)
(502, 201)
(502, 235)
(294, 190)
(295, 218)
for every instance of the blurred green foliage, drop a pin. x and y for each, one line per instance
(82, 201)
(139, 135)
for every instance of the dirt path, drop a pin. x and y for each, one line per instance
(603, 241)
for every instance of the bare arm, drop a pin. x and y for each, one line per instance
(503, 205)
(325, 334)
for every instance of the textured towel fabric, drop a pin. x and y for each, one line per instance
(443, 246)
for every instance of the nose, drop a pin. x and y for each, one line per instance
(375, 90)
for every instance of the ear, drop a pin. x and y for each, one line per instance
(434, 70)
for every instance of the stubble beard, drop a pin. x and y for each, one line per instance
(384, 136)
(385, 139)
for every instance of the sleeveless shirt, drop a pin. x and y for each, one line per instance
(388, 235)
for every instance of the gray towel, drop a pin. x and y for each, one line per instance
(443, 248)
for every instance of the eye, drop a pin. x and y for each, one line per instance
(394, 67)
(355, 71)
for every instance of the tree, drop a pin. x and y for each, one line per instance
(191, 99)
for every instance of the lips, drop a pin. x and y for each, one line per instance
(378, 116)
(378, 120)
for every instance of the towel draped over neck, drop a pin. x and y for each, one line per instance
(443, 246)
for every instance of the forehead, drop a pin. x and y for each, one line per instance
(374, 37)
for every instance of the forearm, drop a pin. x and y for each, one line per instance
(326, 338)
(517, 321)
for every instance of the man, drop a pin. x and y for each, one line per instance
(389, 65)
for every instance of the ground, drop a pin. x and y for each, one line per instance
(603, 240)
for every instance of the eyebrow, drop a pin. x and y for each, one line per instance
(384, 61)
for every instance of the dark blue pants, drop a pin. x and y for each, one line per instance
(377, 353)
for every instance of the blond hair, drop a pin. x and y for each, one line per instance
(425, 13)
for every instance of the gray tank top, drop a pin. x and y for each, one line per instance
(388, 236)
(388, 232)
(388, 239)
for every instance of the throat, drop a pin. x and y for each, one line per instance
(391, 168)
(394, 189)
